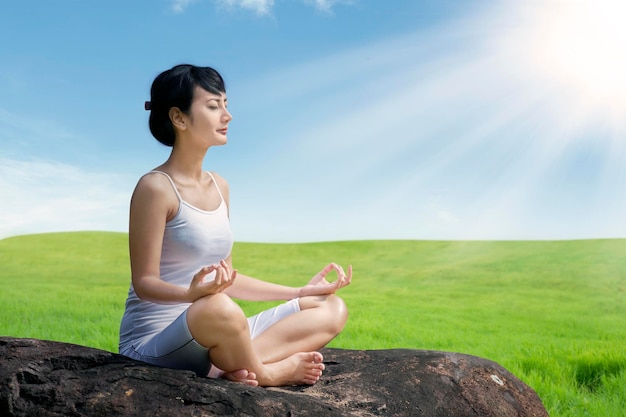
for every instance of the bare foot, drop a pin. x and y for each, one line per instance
(242, 375)
(304, 368)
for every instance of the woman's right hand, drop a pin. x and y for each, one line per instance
(223, 279)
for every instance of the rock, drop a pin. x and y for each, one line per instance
(43, 378)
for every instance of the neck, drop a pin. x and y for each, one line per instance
(186, 162)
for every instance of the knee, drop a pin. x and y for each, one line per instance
(217, 310)
(338, 309)
(332, 311)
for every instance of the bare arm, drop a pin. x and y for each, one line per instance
(252, 289)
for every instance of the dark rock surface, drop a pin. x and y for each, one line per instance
(43, 378)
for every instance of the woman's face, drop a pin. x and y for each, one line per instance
(209, 117)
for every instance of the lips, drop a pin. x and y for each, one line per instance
(222, 131)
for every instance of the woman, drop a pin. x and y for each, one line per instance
(179, 312)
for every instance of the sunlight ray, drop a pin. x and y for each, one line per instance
(475, 138)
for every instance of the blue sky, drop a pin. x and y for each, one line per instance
(354, 119)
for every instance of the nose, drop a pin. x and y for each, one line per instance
(227, 117)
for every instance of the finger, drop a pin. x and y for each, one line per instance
(208, 269)
(326, 270)
(341, 276)
(225, 266)
(346, 279)
(203, 272)
(225, 274)
(219, 275)
(229, 275)
(228, 280)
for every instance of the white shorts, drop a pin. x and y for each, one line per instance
(174, 347)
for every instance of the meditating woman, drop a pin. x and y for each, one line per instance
(179, 311)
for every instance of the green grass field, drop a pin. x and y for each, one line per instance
(553, 313)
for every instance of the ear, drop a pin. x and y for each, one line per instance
(178, 118)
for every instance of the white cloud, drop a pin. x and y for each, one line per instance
(179, 6)
(45, 196)
(326, 5)
(260, 7)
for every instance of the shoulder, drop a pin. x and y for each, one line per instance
(153, 182)
(154, 188)
(221, 182)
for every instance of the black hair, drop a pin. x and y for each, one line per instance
(174, 88)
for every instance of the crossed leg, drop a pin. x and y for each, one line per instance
(285, 354)
(319, 320)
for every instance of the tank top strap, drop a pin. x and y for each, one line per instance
(216, 186)
(171, 182)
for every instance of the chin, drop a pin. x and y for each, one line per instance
(219, 141)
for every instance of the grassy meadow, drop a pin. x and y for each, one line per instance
(551, 312)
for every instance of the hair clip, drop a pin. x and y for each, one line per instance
(147, 105)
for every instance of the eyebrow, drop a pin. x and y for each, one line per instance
(217, 99)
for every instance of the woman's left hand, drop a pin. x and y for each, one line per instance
(318, 285)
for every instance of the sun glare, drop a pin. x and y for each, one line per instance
(581, 44)
(586, 45)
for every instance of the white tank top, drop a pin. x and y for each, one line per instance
(193, 239)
